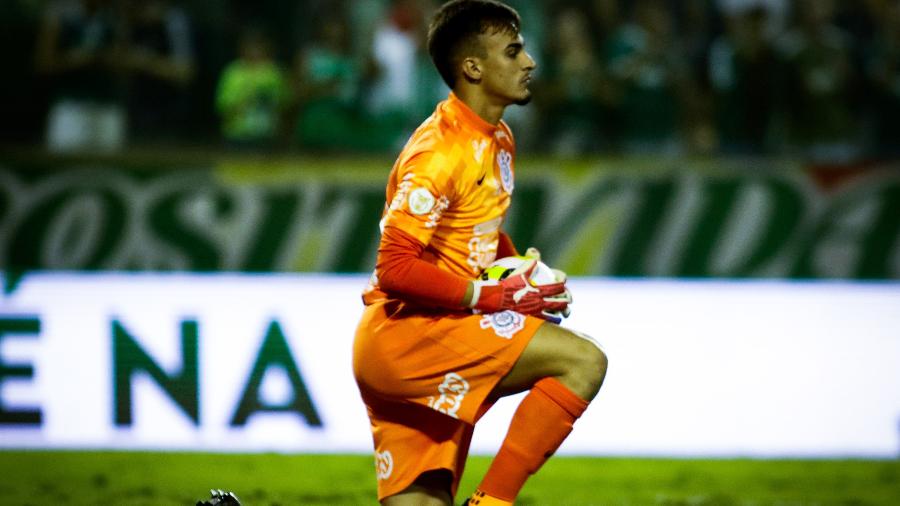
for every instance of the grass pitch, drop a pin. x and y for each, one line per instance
(151, 478)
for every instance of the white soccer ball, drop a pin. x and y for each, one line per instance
(503, 267)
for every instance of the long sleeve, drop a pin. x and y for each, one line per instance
(402, 273)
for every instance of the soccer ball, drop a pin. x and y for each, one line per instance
(503, 267)
(541, 275)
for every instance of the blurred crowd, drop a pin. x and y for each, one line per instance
(818, 79)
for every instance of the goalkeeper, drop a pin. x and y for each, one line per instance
(436, 347)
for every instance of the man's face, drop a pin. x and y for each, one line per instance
(507, 67)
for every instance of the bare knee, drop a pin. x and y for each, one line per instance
(574, 359)
(587, 369)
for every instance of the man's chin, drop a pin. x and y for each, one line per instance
(524, 100)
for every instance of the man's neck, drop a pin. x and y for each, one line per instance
(480, 103)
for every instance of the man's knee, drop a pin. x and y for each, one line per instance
(575, 359)
(588, 367)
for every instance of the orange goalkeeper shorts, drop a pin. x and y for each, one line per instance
(425, 377)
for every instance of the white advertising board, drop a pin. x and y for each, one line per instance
(231, 362)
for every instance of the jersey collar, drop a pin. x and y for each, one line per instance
(467, 116)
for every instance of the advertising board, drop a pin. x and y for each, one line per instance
(239, 362)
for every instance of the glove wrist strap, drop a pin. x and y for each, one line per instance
(476, 294)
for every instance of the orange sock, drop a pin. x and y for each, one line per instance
(541, 423)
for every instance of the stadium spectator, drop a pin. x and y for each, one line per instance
(428, 85)
(606, 19)
(76, 50)
(650, 69)
(120, 69)
(883, 69)
(743, 66)
(399, 84)
(394, 47)
(158, 55)
(252, 94)
(392, 84)
(326, 84)
(572, 81)
(365, 18)
(859, 20)
(820, 90)
(777, 12)
(695, 22)
(434, 348)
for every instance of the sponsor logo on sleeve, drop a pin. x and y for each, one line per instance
(421, 201)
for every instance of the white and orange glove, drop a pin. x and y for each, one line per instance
(556, 306)
(516, 293)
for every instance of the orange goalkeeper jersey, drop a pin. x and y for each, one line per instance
(450, 189)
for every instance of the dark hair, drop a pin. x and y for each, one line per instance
(455, 27)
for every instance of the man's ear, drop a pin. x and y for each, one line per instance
(472, 69)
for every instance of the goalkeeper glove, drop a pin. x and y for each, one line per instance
(516, 293)
(556, 307)
(532, 252)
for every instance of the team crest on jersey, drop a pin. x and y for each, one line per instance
(505, 323)
(421, 201)
(384, 464)
(504, 160)
(452, 392)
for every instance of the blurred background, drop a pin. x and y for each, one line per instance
(189, 202)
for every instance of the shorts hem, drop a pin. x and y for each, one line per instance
(401, 486)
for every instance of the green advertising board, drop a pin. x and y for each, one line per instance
(607, 217)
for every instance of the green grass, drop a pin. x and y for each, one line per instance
(145, 478)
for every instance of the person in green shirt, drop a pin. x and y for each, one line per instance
(327, 87)
(252, 94)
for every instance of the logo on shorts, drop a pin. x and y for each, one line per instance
(384, 464)
(452, 390)
(504, 323)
